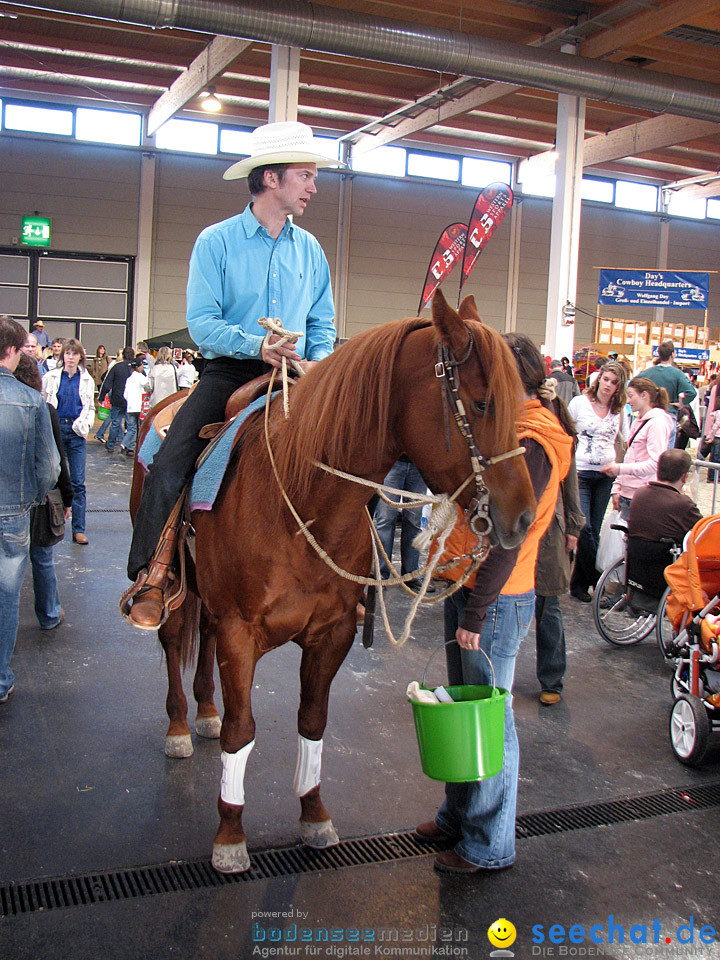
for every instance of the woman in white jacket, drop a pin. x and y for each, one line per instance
(135, 387)
(162, 379)
(71, 390)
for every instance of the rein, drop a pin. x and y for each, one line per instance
(443, 517)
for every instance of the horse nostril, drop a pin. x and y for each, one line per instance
(524, 521)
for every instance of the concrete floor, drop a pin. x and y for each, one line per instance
(85, 786)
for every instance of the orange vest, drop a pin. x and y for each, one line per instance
(540, 424)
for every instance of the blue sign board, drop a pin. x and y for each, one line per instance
(687, 353)
(654, 288)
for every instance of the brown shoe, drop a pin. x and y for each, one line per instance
(81, 539)
(430, 832)
(549, 697)
(147, 608)
(450, 862)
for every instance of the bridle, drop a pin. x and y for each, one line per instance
(477, 513)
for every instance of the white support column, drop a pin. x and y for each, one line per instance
(284, 81)
(511, 302)
(143, 263)
(661, 260)
(342, 248)
(565, 234)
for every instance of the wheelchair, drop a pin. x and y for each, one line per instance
(629, 600)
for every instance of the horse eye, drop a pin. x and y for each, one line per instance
(481, 407)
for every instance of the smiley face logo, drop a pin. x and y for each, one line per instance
(502, 933)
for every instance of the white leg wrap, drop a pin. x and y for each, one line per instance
(307, 768)
(232, 785)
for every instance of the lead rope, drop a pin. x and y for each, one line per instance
(273, 325)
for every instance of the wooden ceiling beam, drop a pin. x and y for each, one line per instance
(644, 25)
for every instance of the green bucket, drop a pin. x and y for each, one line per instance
(462, 741)
(102, 413)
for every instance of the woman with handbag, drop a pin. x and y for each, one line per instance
(71, 390)
(99, 366)
(47, 600)
(599, 417)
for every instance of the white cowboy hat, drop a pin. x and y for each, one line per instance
(284, 142)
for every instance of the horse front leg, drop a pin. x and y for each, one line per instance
(318, 667)
(237, 657)
(207, 721)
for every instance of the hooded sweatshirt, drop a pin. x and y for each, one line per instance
(540, 425)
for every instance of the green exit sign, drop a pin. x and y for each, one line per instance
(36, 231)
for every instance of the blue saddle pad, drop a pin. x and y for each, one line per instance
(208, 478)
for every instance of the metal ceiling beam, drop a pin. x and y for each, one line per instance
(219, 54)
(327, 30)
(645, 25)
(694, 188)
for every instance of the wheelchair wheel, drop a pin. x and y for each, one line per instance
(616, 621)
(664, 632)
(689, 730)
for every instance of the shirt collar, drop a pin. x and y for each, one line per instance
(251, 225)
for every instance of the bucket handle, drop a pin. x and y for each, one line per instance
(495, 691)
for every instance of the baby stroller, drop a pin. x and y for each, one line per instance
(692, 646)
(628, 598)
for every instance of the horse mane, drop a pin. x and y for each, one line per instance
(343, 405)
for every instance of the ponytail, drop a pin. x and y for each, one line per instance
(658, 395)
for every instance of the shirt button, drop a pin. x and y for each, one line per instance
(274, 301)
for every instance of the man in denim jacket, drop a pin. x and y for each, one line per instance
(29, 467)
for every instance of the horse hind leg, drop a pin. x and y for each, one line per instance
(178, 743)
(318, 667)
(207, 722)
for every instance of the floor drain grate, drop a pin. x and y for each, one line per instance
(79, 891)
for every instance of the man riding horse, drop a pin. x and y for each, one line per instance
(256, 264)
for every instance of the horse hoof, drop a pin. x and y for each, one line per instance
(208, 727)
(178, 746)
(318, 835)
(230, 857)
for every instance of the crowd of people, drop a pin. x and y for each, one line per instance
(582, 448)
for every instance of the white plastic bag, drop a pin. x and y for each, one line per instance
(612, 542)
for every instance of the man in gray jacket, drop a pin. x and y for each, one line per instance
(29, 467)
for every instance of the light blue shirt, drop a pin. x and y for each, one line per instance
(239, 274)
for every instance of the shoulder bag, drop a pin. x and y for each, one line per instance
(47, 521)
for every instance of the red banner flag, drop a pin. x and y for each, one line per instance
(447, 255)
(489, 210)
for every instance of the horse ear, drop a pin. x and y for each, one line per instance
(468, 309)
(449, 323)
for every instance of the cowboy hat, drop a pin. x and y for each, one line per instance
(284, 142)
(38, 323)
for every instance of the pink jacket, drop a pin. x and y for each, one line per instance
(648, 438)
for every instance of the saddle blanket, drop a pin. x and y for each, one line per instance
(208, 477)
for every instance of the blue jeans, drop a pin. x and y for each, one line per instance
(75, 451)
(483, 813)
(595, 490)
(47, 599)
(103, 427)
(128, 441)
(14, 548)
(549, 643)
(402, 476)
(117, 415)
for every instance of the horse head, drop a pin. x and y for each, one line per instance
(459, 396)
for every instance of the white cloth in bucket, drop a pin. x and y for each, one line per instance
(416, 693)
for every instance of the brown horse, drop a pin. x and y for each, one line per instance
(259, 581)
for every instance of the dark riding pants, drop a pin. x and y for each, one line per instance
(174, 463)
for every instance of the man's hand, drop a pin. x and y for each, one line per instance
(274, 356)
(570, 543)
(467, 640)
(68, 512)
(306, 364)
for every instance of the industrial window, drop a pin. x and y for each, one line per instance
(713, 209)
(602, 191)
(539, 186)
(681, 206)
(479, 173)
(235, 141)
(108, 126)
(38, 119)
(636, 196)
(191, 136)
(387, 160)
(433, 166)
